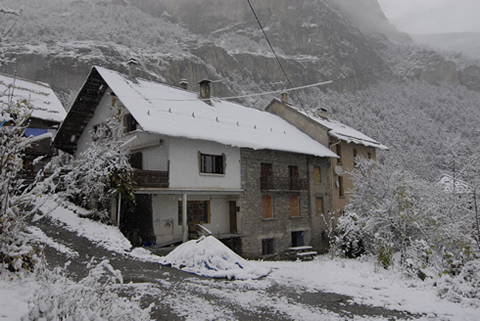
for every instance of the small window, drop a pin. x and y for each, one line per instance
(198, 212)
(294, 205)
(369, 155)
(136, 160)
(266, 181)
(355, 154)
(319, 205)
(267, 206)
(267, 247)
(317, 175)
(129, 123)
(293, 175)
(212, 164)
(341, 191)
(339, 153)
(298, 238)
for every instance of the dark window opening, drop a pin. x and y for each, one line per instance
(341, 192)
(136, 160)
(212, 164)
(293, 175)
(266, 180)
(267, 246)
(198, 212)
(339, 153)
(298, 238)
(129, 123)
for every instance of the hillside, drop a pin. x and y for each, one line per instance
(409, 98)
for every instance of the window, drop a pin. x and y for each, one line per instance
(267, 206)
(369, 155)
(319, 205)
(339, 153)
(316, 175)
(129, 123)
(293, 175)
(294, 205)
(266, 181)
(212, 164)
(267, 246)
(298, 238)
(341, 192)
(198, 212)
(136, 160)
(355, 157)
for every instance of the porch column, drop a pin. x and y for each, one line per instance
(184, 219)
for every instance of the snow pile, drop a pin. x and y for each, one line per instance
(209, 257)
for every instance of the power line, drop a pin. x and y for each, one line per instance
(274, 53)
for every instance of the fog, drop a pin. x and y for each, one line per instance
(433, 16)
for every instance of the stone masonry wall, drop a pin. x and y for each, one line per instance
(254, 227)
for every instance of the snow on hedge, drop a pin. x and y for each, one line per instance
(209, 257)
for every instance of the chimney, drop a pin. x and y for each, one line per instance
(132, 68)
(322, 112)
(183, 83)
(284, 96)
(205, 89)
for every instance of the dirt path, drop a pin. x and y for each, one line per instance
(181, 296)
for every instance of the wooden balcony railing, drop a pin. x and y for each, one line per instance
(282, 183)
(150, 179)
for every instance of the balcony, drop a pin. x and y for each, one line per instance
(270, 183)
(150, 179)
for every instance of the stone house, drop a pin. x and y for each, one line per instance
(47, 113)
(245, 175)
(341, 139)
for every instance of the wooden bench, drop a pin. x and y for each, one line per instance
(301, 252)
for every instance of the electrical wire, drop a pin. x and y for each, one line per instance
(274, 53)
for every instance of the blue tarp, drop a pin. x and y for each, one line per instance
(34, 132)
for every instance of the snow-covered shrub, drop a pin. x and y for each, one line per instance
(101, 171)
(349, 239)
(17, 199)
(93, 298)
(464, 287)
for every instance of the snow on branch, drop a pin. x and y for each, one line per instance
(9, 11)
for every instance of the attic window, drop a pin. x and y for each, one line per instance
(212, 164)
(129, 123)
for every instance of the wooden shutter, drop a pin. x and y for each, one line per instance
(267, 208)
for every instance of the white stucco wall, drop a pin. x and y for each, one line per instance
(185, 169)
(165, 216)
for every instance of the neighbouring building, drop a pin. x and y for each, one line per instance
(341, 139)
(47, 113)
(251, 178)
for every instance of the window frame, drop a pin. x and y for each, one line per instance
(267, 212)
(268, 246)
(197, 203)
(295, 206)
(212, 164)
(321, 207)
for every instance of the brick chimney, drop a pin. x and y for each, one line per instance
(322, 112)
(205, 89)
(183, 83)
(132, 69)
(284, 96)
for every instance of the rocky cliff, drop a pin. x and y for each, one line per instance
(351, 43)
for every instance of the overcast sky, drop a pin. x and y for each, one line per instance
(433, 16)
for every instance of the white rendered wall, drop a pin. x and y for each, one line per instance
(165, 216)
(185, 169)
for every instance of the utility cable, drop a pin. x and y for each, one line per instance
(274, 53)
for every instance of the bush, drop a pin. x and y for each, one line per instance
(93, 298)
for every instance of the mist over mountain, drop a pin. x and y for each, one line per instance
(410, 98)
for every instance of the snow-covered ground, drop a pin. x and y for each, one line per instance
(360, 279)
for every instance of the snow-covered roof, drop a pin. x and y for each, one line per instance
(39, 95)
(172, 111)
(343, 132)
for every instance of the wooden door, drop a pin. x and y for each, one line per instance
(233, 217)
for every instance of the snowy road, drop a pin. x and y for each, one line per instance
(178, 295)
